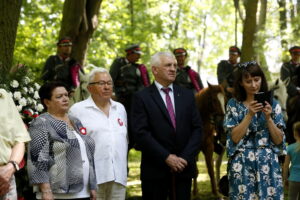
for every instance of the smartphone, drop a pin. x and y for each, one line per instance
(261, 97)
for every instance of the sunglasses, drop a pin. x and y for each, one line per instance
(244, 65)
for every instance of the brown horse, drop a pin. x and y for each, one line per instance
(210, 102)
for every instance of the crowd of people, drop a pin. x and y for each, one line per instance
(80, 151)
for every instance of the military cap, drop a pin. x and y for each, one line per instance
(65, 41)
(234, 50)
(295, 50)
(135, 48)
(180, 51)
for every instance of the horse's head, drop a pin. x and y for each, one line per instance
(217, 96)
(211, 104)
(280, 93)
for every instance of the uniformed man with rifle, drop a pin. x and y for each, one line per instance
(129, 77)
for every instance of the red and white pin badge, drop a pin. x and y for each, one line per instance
(120, 122)
(82, 130)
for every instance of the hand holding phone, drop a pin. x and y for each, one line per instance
(262, 97)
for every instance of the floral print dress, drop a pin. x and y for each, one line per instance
(253, 168)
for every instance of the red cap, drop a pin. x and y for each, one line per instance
(133, 49)
(179, 52)
(66, 41)
(295, 50)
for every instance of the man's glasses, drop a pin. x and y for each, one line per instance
(102, 83)
(244, 65)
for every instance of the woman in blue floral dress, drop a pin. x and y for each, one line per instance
(255, 139)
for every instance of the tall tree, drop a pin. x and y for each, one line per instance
(9, 19)
(249, 30)
(261, 37)
(295, 21)
(283, 22)
(80, 20)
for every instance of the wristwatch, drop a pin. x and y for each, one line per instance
(15, 164)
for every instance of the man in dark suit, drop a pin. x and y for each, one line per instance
(167, 129)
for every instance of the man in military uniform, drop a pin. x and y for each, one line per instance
(186, 76)
(288, 72)
(129, 77)
(225, 70)
(290, 75)
(62, 67)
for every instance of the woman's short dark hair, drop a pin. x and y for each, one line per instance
(45, 92)
(244, 70)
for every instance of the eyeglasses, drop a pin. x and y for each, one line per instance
(102, 83)
(244, 65)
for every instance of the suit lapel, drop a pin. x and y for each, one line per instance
(159, 101)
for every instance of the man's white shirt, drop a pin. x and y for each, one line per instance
(110, 135)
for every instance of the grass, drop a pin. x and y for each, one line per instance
(134, 184)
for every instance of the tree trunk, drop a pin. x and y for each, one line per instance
(261, 38)
(283, 22)
(238, 9)
(292, 9)
(80, 19)
(131, 10)
(249, 30)
(295, 22)
(202, 45)
(9, 19)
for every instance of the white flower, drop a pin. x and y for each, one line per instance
(30, 110)
(29, 100)
(258, 176)
(242, 188)
(39, 107)
(11, 95)
(237, 167)
(17, 95)
(251, 156)
(262, 141)
(233, 110)
(37, 86)
(253, 196)
(36, 95)
(237, 175)
(26, 80)
(271, 191)
(14, 84)
(19, 107)
(265, 169)
(277, 109)
(34, 102)
(23, 101)
(25, 89)
(31, 90)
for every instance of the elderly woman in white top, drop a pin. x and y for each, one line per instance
(60, 155)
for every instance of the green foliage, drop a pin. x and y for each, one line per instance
(204, 27)
(37, 32)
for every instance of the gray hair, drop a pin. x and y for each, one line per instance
(96, 71)
(156, 58)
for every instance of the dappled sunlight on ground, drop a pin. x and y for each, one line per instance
(134, 184)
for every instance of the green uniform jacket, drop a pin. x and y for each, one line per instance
(288, 74)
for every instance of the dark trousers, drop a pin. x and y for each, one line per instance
(161, 189)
